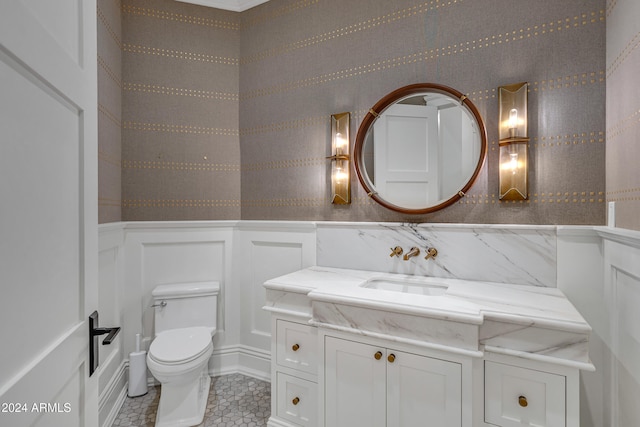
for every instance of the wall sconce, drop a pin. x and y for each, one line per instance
(340, 177)
(513, 142)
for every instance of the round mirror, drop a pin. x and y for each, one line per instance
(420, 148)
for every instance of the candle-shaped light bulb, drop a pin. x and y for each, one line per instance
(513, 122)
(340, 142)
(339, 175)
(513, 162)
(513, 118)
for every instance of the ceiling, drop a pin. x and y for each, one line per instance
(234, 5)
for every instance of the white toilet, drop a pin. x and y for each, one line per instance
(185, 322)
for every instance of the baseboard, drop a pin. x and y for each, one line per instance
(113, 396)
(239, 359)
(255, 363)
(250, 361)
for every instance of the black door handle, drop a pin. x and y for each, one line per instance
(111, 331)
(94, 333)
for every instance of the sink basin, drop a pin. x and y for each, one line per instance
(406, 286)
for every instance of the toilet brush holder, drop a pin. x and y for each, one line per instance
(137, 371)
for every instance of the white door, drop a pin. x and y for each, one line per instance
(48, 211)
(422, 388)
(355, 391)
(406, 155)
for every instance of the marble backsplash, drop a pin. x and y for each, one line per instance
(514, 254)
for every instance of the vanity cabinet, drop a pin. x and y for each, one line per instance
(296, 346)
(367, 384)
(296, 400)
(482, 355)
(515, 396)
(294, 374)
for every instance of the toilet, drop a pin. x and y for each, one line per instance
(185, 322)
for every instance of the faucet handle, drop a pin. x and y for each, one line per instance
(397, 251)
(431, 253)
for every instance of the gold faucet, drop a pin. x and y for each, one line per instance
(413, 252)
(397, 251)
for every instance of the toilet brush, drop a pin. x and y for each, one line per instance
(137, 371)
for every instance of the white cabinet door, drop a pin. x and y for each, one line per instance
(296, 400)
(423, 391)
(355, 385)
(521, 397)
(48, 218)
(374, 386)
(296, 346)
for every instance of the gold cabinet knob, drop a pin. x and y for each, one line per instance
(295, 400)
(523, 401)
(378, 355)
(391, 358)
(295, 347)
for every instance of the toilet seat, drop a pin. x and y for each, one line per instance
(179, 346)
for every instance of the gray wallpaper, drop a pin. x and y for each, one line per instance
(301, 61)
(227, 115)
(109, 110)
(180, 139)
(623, 111)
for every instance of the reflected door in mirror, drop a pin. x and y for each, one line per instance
(406, 155)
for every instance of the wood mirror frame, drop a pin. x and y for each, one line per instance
(380, 107)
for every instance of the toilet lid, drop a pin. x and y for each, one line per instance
(180, 345)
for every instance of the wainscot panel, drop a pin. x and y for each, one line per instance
(599, 272)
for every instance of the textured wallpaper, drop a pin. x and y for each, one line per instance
(109, 110)
(180, 139)
(301, 61)
(623, 111)
(227, 115)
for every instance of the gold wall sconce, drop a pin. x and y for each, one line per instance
(340, 176)
(513, 142)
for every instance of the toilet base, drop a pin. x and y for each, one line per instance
(183, 405)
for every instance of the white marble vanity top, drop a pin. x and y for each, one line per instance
(528, 321)
(464, 300)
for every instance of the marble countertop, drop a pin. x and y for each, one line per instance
(469, 317)
(464, 300)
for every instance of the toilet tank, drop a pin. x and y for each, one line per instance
(183, 305)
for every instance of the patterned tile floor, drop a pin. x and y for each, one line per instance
(234, 400)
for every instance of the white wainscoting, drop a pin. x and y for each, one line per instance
(266, 250)
(599, 270)
(135, 257)
(622, 304)
(112, 379)
(159, 253)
